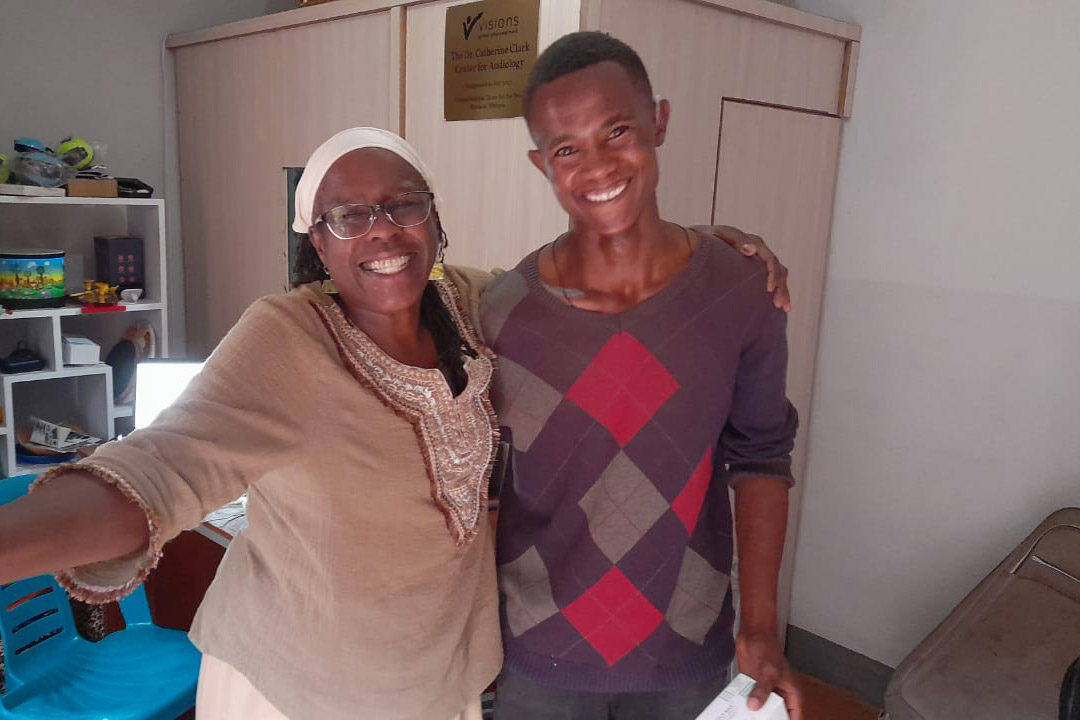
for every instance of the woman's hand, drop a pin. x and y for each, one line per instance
(760, 658)
(749, 245)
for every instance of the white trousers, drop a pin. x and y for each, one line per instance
(225, 694)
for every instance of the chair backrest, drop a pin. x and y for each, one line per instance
(35, 617)
(13, 488)
(35, 625)
(135, 608)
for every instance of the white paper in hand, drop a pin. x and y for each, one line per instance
(730, 704)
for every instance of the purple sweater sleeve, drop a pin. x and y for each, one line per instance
(760, 431)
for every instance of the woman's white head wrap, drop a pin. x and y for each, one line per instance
(345, 142)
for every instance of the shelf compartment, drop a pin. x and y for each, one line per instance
(70, 224)
(39, 334)
(108, 330)
(79, 400)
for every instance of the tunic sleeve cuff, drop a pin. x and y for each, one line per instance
(109, 580)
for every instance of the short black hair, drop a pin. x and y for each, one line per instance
(578, 51)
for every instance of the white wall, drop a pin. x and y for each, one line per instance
(94, 68)
(946, 420)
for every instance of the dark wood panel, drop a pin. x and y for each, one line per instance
(177, 586)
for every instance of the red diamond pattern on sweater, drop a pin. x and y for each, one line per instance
(622, 387)
(613, 616)
(687, 506)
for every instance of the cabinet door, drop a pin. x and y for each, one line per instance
(248, 107)
(698, 53)
(775, 176)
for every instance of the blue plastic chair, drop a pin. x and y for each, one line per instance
(140, 673)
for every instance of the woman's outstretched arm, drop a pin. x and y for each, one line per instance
(73, 520)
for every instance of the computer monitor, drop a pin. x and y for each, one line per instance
(157, 385)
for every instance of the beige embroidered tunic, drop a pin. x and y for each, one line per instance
(364, 585)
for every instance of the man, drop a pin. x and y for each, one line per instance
(641, 371)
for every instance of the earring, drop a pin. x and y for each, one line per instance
(437, 270)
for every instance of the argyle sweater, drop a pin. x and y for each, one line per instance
(614, 544)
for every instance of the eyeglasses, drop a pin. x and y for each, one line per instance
(347, 222)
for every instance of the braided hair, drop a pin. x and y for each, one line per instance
(434, 315)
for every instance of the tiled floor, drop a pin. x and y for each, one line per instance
(825, 702)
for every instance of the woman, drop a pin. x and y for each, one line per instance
(359, 426)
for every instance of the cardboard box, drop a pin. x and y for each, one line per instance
(79, 187)
(80, 350)
(730, 704)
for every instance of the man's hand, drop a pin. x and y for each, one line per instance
(750, 245)
(760, 658)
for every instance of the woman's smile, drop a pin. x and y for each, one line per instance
(388, 265)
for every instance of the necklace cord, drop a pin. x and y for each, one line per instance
(558, 276)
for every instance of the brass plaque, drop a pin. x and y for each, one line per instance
(490, 49)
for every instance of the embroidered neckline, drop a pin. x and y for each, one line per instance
(457, 435)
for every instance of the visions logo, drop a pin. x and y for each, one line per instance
(471, 24)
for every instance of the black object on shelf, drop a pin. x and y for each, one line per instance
(122, 359)
(21, 359)
(118, 260)
(132, 188)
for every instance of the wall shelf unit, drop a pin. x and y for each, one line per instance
(77, 394)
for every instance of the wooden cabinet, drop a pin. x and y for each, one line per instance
(698, 56)
(758, 93)
(248, 106)
(175, 589)
(776, 174)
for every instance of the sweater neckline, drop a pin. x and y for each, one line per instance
(549, 295)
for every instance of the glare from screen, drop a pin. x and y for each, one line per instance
(158, 384)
